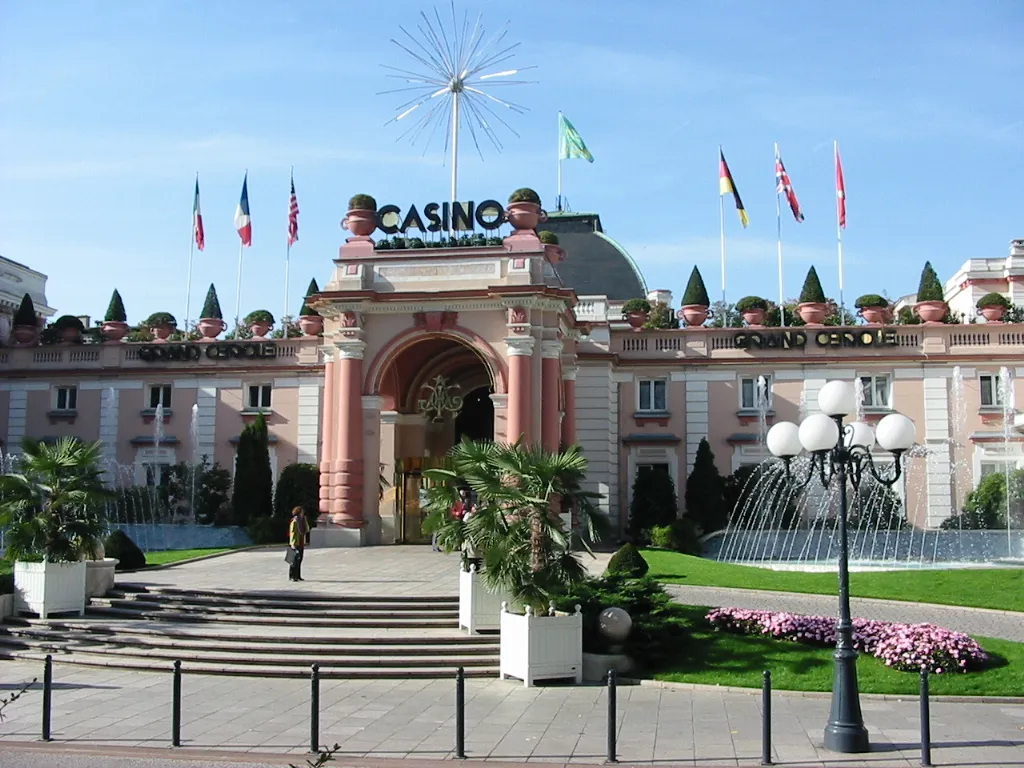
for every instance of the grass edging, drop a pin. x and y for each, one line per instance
(944, 698)
(211, 556)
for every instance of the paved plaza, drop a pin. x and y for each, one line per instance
(115, 710)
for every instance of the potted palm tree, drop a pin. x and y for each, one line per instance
(162, 324)
(753, 309)
(524, 211)
(260, 321)
(873, 308)
(695, 303)
(25, 325)
(115, 325)
(931, 306)
(52, 510)
(992, 306)
(813, 306)
(309, 319)
(361, 219)
(636, 311)
(211, 321)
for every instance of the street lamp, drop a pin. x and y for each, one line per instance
(842, 451)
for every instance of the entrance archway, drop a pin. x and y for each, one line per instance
(476, 419)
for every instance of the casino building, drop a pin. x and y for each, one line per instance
(502, 335)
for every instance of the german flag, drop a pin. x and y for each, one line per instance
(726, 186)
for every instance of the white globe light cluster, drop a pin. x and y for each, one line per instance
(820, 432)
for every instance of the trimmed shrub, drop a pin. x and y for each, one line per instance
(259, 316)
(871, 301)
(636, 305)
(994, 300)
(550, 238)
(64, 322)
(748, 303)
(298, 486)
(115, 310)
(812, 292)
(627, 562)
(160, 318)
(929, 289)
(313, 289)
(696, 292)
(26, 314)
(120, 545)
(524, 195)
(252, 496)
(654, 502)
(705, 492)
(211, 306)
(680, 536)
(362, 203)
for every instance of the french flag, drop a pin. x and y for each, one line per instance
(242, 222)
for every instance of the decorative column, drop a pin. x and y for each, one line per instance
(569, 415)
(371, 434)
(520, 413)
(327, 432)
(551, 357)
(347, 480)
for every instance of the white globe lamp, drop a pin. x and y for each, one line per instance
(859, 435)
(818, 432)
(837, 398)
(615, 624)
(783, 440)
(896, 432)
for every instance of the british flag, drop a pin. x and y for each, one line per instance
(293, 217)
(785, 186)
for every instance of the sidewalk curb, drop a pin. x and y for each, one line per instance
(823, 694)
(176, 563)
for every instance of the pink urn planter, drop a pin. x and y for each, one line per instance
(874, 315)
(25, 334)
(694, 314)
(993, 314)
(360, 222)
(753, 317)
(114, 330)
(553, 253)
(70, 336)
(260, 330)
(636, 320)
(931, 312)
(311, 325)
(210, 327)
(525, 216)
(162, 332)
(812, 312)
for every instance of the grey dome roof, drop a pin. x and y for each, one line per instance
(595, 265)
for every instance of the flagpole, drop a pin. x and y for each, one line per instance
(191, 253)
(238, 285)
(287, 259)
(839, 240)
(721, 225)
(778, 229)
(558, 200)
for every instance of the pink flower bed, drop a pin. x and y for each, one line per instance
(906, 647)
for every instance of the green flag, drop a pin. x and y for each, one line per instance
(570, 143)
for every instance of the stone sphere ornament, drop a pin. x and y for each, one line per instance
(615, 624)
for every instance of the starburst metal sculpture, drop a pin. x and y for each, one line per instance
(454, 67)
(441, 400)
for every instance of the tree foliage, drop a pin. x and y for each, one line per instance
(930, 288)
(211, 305)
(705, 497)
(298, 486)
(654, 503)
(115, 309)
(812, 291)
(696, 292)
(252, 495)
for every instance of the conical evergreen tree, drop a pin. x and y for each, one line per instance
(26, 314)
(211, 306)
(930, 288)
(812, 292)
(115, 309)
(696, 292)
(252, 495)
(305, 309)
(705, 492)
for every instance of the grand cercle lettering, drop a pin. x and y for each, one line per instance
(441, 217)
(797, 339)
(173, 353)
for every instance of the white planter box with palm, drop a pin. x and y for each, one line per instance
(479, 604)
(52, 510)
(541, 647)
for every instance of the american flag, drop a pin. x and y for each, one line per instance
(784, 185)
(293, 216)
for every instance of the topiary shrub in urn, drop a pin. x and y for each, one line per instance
(115, 326)
(162, 324)
(873, 308)
(211, 322)
(694, 307)
(69, 329)
(523, 211)
(260, 321)
(813, 306)
(992, 306)
(930, 306)
(636, 312)
(752, 309)
(309, 319)
(361, 219)
(52, 514)
(25, 324)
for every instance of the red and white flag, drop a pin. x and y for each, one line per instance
(243, 224)
(197, 220)
(785, 186)
(293, 216)
(840, 191)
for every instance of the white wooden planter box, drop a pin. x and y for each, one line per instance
(6, 606)
(46, 588)
(99, 576)
(541, 647)
(479, 607)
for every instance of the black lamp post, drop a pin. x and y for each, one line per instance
(844, 453)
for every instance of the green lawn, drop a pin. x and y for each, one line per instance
(720, 658)
(177, 555)
(999, 588)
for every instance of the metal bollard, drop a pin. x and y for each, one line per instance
(926, 725)
(766, 719)
(47, 695)
(176, 705)
(612, 718)
(460, 714)
(314, 708)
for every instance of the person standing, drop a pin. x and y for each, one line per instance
(297, 530)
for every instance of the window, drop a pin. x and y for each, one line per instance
(160, 394)
(652, 395)
(875, 391)
(66, 398)
(753, 394)
(258, 397)
(991, 390)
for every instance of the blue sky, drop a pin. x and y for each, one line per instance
(110, 107)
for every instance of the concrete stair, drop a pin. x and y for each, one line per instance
(259, 634)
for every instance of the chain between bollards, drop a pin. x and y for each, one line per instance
(460, 714)
(612, 718)
(314, 708)
(47, 695)
(176, 705)
(766, 719)
(926, 726)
